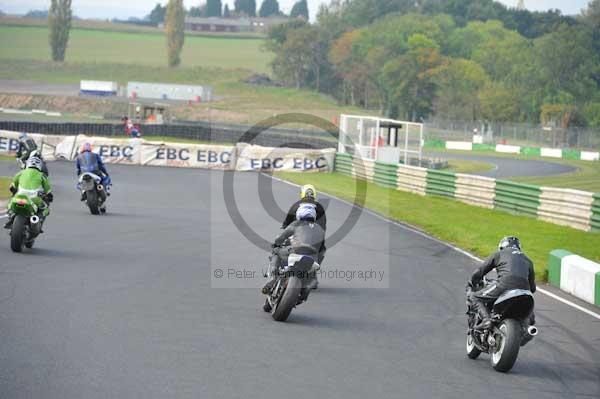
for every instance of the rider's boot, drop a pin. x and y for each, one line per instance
(83, 195)
(272, 274)
(9, 222)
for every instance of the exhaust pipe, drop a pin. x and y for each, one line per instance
(100, 187)
(532, 330)
(35, 219)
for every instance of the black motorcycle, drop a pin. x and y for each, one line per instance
(290, 288)
(510, 329)
(93, 192)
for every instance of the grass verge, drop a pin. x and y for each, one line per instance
(4, 183)
(474, 229)
(468, 166)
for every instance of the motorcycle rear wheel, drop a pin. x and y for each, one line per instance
(288, 300)
(92, 202)
(504, 357)
(17, 233)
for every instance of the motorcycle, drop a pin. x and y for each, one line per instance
(27, 225)
(290, 289)
(94, 191)
(510, 330)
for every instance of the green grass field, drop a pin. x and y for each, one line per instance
(140, 48)
(474, 229)
(468, 166)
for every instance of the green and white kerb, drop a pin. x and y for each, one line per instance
(575, 275)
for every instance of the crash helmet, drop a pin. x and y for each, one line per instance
(306, 212)
(308, 191)
(34, 162)
(510, 241)
(85, 147)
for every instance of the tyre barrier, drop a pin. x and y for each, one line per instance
(577, 209)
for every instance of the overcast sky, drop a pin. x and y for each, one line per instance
(139, 8)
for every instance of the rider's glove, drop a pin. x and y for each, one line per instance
(49, 197)
(12, 189)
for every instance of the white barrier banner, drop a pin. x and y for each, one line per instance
(257, 158)
(58, 147)
(123, 151)
(205, 156)
(9, 141)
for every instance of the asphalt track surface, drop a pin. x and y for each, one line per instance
(121, 306)
(509, 167)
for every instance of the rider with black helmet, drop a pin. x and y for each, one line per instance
(514, 270)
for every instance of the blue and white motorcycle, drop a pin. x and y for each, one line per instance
(94, 191)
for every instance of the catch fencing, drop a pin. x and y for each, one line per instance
(219, 133)
(513, 133)
(574, 208)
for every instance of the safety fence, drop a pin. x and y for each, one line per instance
(239, 157)
(218, 133)
(564, 153)
(574, 208)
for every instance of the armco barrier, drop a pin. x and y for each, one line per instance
(517, 198)
(343, 163)
(412, 179)
(441, 183)
(385, 175)
(475, 190)
(576, 275)
(566, 207)
(574, 208)
(595, 222)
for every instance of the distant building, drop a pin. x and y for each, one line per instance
(166, 91)
(216, 24)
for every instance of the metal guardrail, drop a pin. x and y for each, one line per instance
(574, 208)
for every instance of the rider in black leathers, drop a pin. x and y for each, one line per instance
(306, 238)
(514, 270)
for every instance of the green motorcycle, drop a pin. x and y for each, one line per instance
(26, 225)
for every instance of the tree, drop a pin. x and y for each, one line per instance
(268, 8)
(157, 15)
(499, 103)
(213, 8)
(175, 24)
(245, 7)
(458, 85)
(199, 11)
(226, 12)
(591, 15)
(300, 9)
(59, 23)
(409, 78)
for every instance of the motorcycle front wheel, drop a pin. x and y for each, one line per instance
(472, 351)
(505, 354)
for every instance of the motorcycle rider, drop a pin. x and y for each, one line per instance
(37, 154)
(90, 162)
(514, 270)
(26, 147)
(306, 237)
(30, 181)
(308, 195)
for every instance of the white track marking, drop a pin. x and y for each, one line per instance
(457, 249)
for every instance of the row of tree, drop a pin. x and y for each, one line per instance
(456, 59)
(242, 8)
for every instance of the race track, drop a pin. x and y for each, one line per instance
(121, 306)
(508, 167)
